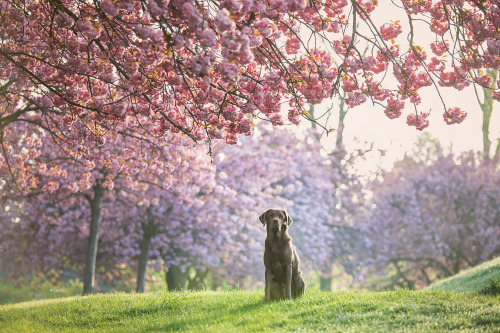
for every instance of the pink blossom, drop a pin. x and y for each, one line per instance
(390, 31)
(155, 9)
(295, 5)
(368, 63)
(439, 48)
(50, 187)
(439, 27)
(255, 41)
(454, 116)
(42, 168)
(232, 5)
(420, 121)
(244, 126)
(64, 20)
(493, 46)
(229, 72)
(192, 14)
(484, 80)
(208, 37)
(394, 108)
(458, 3)
(276, 119)
(294, 116)
(109, 8)
(109, 184)
(435, 65)
(355, 98)
(73, 187)
(264, 27)
(223, 21)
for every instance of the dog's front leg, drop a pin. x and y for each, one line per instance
(269, 278)
(288, 282)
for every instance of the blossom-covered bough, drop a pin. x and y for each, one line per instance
(207, 68)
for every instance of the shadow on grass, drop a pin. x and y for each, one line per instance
(210, 319)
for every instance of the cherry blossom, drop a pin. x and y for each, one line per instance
(430, 220)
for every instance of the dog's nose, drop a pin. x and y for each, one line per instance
(276, 221)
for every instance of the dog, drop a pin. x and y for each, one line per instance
(283, 276)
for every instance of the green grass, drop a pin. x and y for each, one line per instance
(476, 278)
(468, 301)
(236, 311)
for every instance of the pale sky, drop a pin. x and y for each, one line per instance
(369, 124)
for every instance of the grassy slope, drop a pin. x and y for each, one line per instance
(473, 278)
(236, 311)
(436, 309)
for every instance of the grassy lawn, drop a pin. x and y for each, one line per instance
(356, 311)
(468, 301)
(474, 278)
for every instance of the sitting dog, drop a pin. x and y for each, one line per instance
(283, 276)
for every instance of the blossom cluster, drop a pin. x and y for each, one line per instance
(210, 69)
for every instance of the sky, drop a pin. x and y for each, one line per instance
(368, 124)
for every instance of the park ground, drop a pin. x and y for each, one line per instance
(468, 302)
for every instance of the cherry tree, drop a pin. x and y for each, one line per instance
(77, 162)
(277, 167)
(86, 73)
(431, 220)
(206, 67)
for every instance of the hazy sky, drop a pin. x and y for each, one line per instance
(369, 123)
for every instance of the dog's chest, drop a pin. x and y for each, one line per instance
(279, 259)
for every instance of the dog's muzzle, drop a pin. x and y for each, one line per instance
(275, 225)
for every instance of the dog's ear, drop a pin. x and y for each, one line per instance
(262, 218)
(288, 218)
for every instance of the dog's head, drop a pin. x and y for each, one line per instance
(275, 220)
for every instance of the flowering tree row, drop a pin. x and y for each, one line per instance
(423, 221)
(196, 216)
(430, 221)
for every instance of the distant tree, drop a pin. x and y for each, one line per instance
(58, 167)
(322, 193)
(432, 220)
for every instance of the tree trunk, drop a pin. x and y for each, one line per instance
(339, 153)
(95, 219)
(176, 279)
(487, 109)
(216, 282)
(325, 283)
(147, 235)
(196, 283)
(339, 142)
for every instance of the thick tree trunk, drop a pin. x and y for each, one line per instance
(148, 233)
(197, 283)
(95, 219)
(325, 283)
(176, 279)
